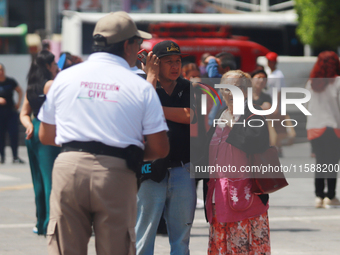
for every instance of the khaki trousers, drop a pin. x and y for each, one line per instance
(92, 190)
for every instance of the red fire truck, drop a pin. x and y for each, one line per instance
(194, 33)
(197, 39)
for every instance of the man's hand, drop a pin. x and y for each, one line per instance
(206, 61)
(20, 95)
(151, 68)
(47, 134)
(29, 131)
(2, 101)
(152, 64)
(195, 81)
(156, 146)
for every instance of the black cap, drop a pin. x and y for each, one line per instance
(166, 48)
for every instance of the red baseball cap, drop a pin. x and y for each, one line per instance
(271, 56)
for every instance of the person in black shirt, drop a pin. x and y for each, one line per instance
(174, 192)
(9, 117)
(259, 81)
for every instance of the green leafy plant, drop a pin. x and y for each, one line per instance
(319, 23)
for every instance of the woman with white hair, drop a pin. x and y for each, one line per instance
(238, 219)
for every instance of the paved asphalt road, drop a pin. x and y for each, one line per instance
(296, 226)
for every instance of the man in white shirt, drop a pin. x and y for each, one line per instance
(276, 78)
(99, 111)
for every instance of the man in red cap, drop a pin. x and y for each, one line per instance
(276, 77)
(276, 80)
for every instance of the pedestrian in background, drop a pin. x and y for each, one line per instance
(41, 157)
(216, 67)
(67, 60)
(198, 130)
(220, 64)
(203, 65)
(276, 80)
(323, 126)
(99, 111)
(191, 72)
(275, 75)
(259, 82)
(9, 117)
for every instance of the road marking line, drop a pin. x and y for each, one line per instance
(293, 218)
(8, 178)
(304, 218)
(23, 225)
(17, 187)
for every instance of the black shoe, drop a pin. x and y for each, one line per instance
(2, 160)
(18, 160)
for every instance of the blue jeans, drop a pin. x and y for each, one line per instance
(176, 196)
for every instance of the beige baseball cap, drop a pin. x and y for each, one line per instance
(117, 27)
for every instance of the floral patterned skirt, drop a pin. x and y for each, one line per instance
(246, 237)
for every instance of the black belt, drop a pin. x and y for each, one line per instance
(94, 148)
(132, 154)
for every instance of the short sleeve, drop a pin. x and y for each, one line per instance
(192, 98)
(212, 69)
(193, 104)
(14, 84)
(153, 119)
(267, 98)
(337, 84)
(47, 110)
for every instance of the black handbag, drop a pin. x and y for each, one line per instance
(155, 170)
(266, 182)
(269, 181)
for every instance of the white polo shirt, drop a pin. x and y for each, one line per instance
(275, 80)
(136, 70)
(102, 100)
(324, 106)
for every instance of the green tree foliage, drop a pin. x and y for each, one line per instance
(319, 22)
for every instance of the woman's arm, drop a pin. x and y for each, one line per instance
(266, 106)
(2, 101)
(151, 68)
(25, 118)
(20, 94)
(47, 86)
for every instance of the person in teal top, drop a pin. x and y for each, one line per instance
(41, 157)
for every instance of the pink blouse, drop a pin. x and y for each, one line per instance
(233, 199)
